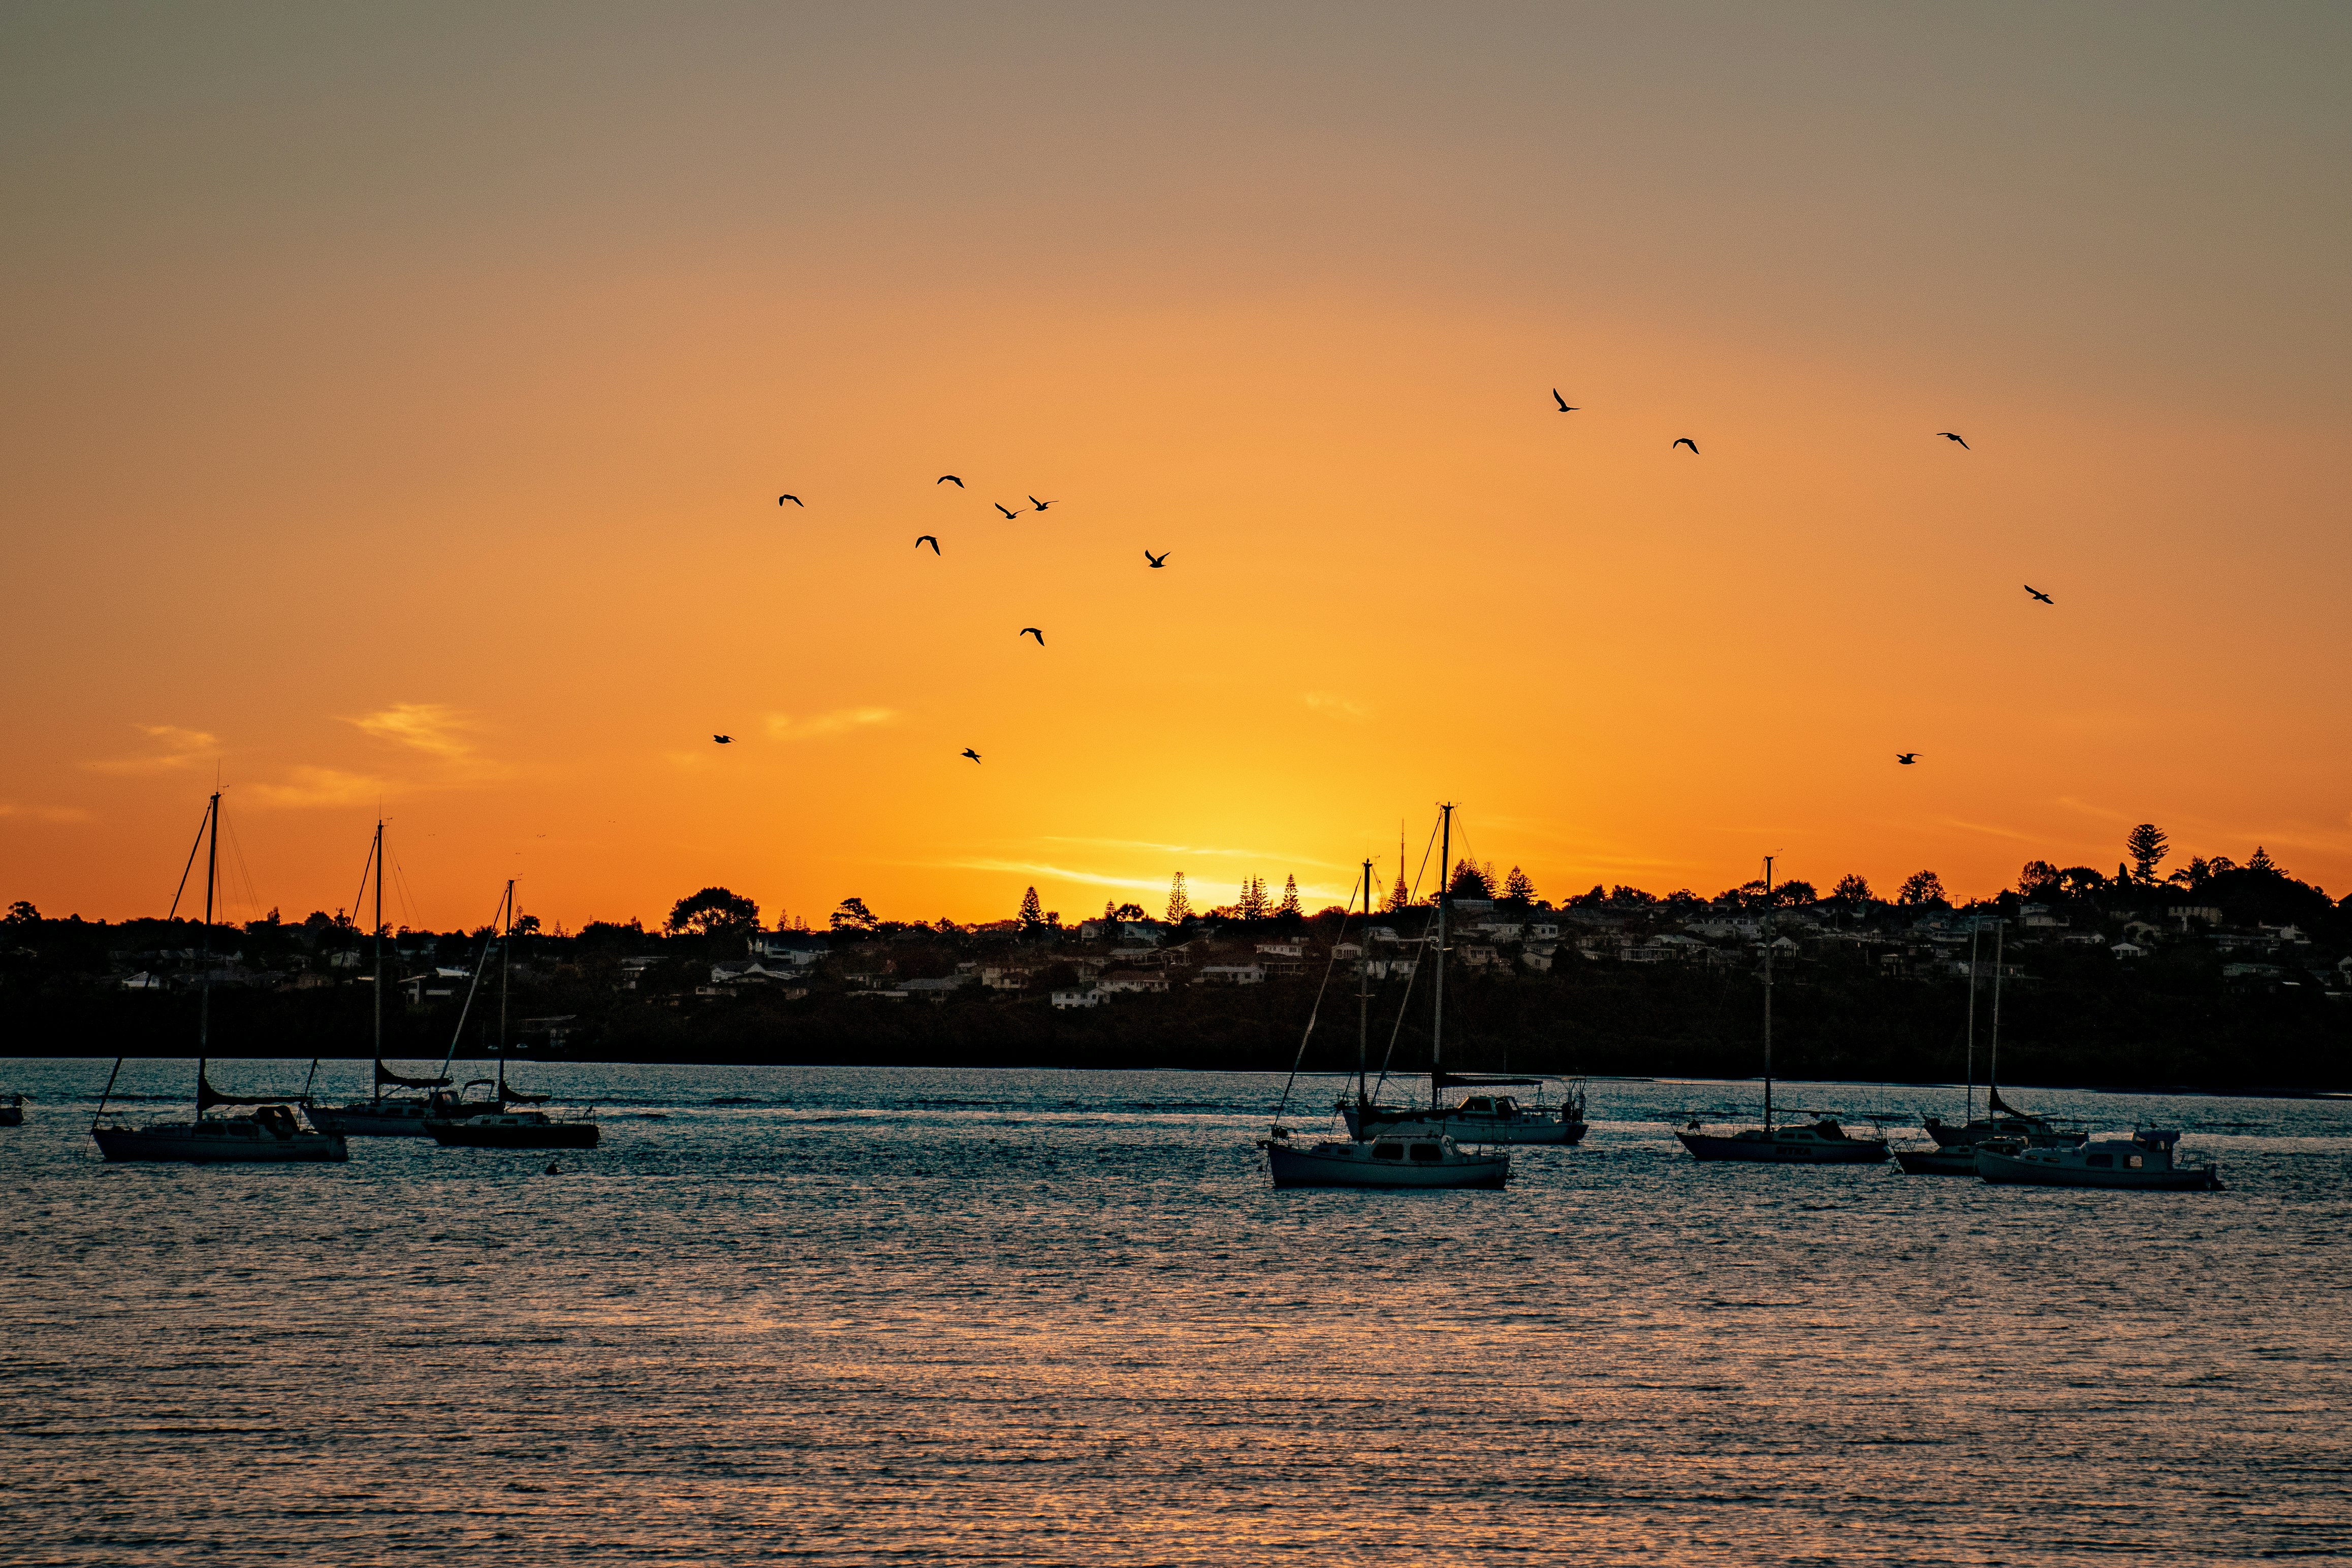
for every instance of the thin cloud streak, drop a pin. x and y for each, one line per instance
(182, 749)
(841, 721)
(308, 786)
(432, 728)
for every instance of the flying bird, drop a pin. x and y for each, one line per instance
(930, 540)
(2039, 594)
(1906, 758)
(1686, 441)
(1032, 631)
(795, 500)
(949, 479)
(1949, 436)
(1564, 407)
(968, 751)
(724, 740)
(1157, 561)
(1000, 506)
(1041, 505)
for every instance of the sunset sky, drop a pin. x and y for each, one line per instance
(396, 400)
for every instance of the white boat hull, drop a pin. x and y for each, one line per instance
(2017, 1170)
(224, 1140)
(390, 1119)
(1355, 1165)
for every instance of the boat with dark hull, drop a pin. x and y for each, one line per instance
(1390, 1158)
(1820, 1142)
(494, 1122)
(2143, 1162)
(11, 1110)
(267, 1132)
(1488, 1118)
(381, 1115)
(1954, 1154)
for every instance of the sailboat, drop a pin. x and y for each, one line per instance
(476, 1124)
(379, 1115)
(1385, 1159)
(269, 1133)
(2001, 1123)
(1820, 1142)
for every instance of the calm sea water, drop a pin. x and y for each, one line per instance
(877, 1316)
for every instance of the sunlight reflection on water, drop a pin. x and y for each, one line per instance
(879, 1316)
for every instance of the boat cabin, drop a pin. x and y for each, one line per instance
(1429, 1149)
(1489, 1105)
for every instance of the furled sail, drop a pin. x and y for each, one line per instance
(2000, 1109)
(386, 1075)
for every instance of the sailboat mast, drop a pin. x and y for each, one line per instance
(1968, 1095)
(1992, 1066)
(378, 856)
(204, 994)
(1767, 928)
(1364, 991)
(1445, 896)
(506, 972)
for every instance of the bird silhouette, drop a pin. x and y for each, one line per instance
(1564, 407)
(2039, 594)
(930, 540)
(1686, 441)
(795, 500)
(724, 740)
(1041, 505)
(1008, 511)
(968, 751)
(1949, 436)
(1032, 631)
(1906, 758)
(1157, 561)
(949, 479)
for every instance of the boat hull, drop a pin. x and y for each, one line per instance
(1959, 1162)
(11, 1116)
(370, 1121)
(470, 1135)
(1763, 1151)
(2008, 1170)
(201, 1145)
(1313, 1168)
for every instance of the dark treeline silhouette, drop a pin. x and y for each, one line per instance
(2221, 974)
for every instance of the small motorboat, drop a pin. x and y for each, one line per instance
(512, 1129)
(1423, 1162)
(2143, 1161)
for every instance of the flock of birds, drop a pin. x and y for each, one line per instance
(1156, 561)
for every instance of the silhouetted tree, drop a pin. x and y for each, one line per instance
(2262, 861)
(1519, 885)
(1400, 896)
(1853, 887)
(1469, 882)
(2038, 880)
(1032, 912)
(1129, 912)
(1794, 892)
(852, 915)
(1622, 893)
(1922, 887)
(2146, 845)
(1289, 905)
(1252, 903)
(1179, 902)
(21, 913)
(710, 913)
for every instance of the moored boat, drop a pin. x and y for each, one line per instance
(381, 1115)
(495, 1124)
(268, 1132)
(1475, 1118)
(2145, 1161)
(1400, 1162)
(11, 1110)
(1820, 1142)
(1385, 1159)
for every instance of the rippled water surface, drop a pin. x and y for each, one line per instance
(869, 1315)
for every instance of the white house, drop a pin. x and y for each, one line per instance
(1078, 999)
(1232, 975)
(1153, 981)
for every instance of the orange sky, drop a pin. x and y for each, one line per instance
(396, 400)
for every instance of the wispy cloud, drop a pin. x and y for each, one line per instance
(841, 721)
(1988, 828)
(173, 747)
(44, 813)
(1333, 706)
(1057, 873)
(432, 728)
(307, 786)
(1213, 850)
